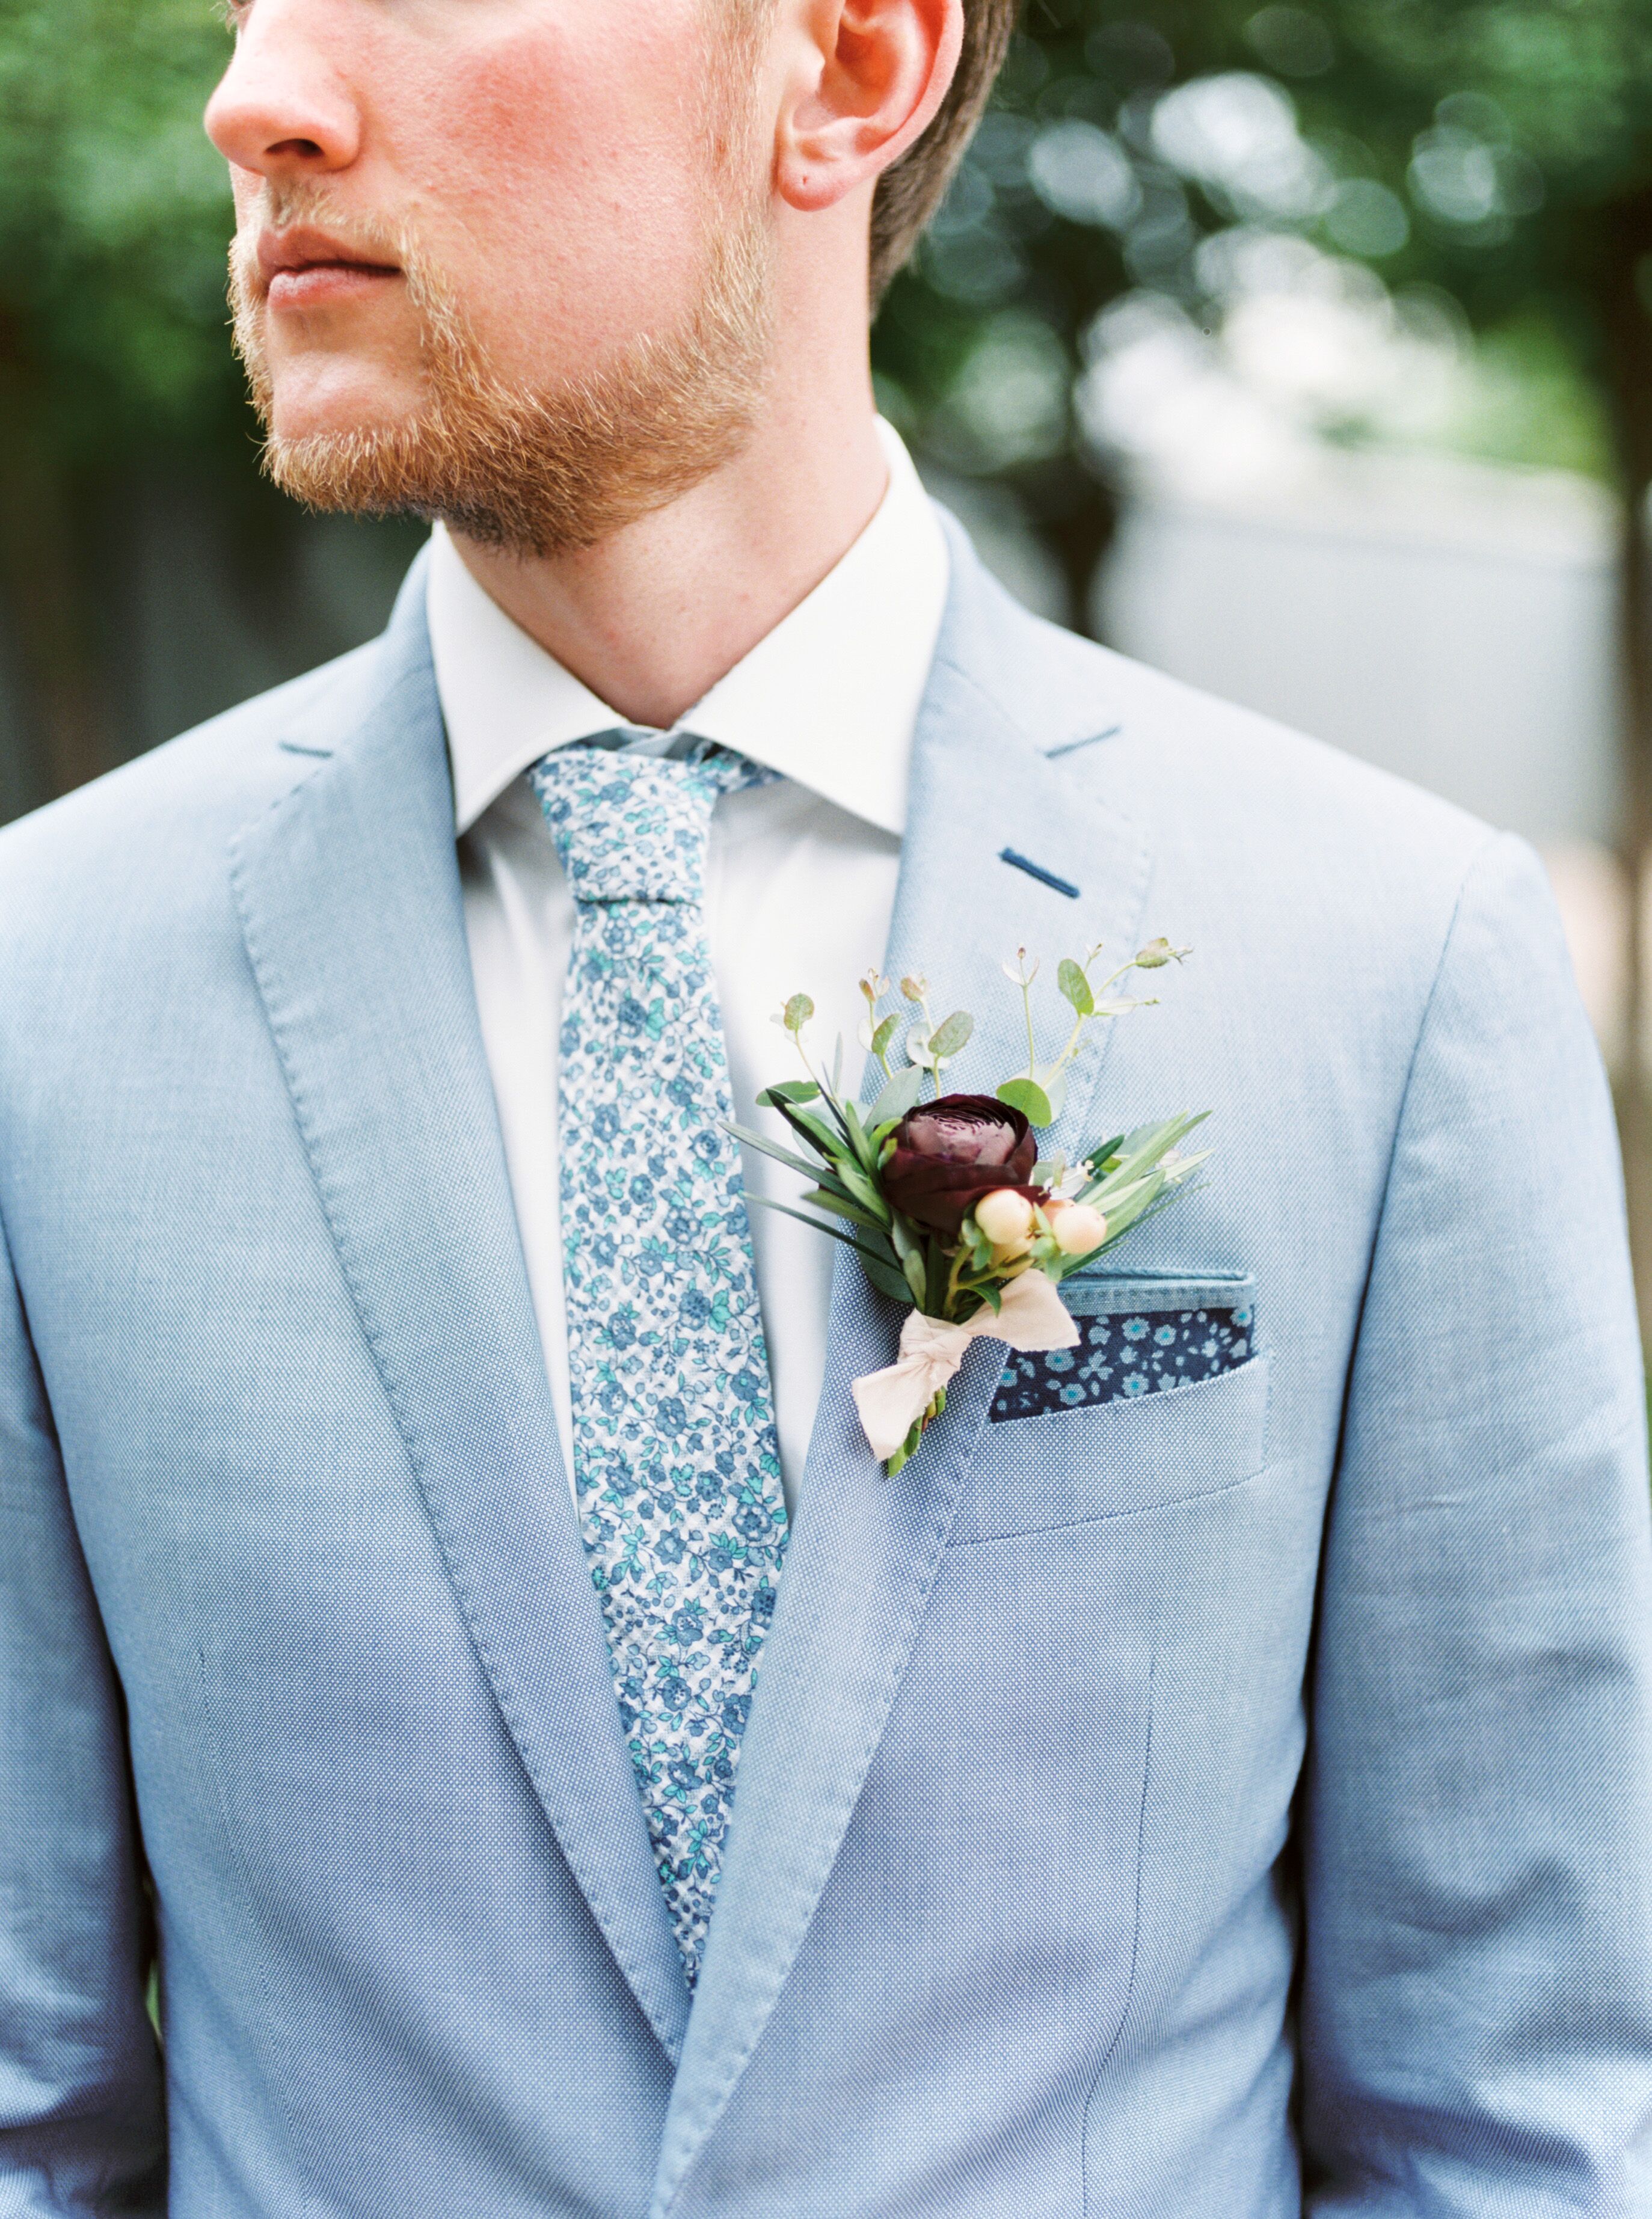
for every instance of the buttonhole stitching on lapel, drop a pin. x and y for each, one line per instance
(1037, 871)
(297, 748)
(1071, 747)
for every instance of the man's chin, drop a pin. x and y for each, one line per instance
(339, 402)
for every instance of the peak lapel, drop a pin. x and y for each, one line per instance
(864, 1550)
(349, 901)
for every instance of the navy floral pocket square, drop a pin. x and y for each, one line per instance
(1138, 1336)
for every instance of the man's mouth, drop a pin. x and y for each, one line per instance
(304, 268)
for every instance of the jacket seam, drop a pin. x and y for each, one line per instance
(1491, 840)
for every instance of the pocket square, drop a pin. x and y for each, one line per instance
(1136, 1337)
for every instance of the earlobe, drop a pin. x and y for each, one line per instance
(875, 74)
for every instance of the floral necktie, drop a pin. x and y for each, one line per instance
(676, 1460)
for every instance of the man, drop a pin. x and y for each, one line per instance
(446, 1592)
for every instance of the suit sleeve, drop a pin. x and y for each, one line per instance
(81, 2113)
(1476, 2007)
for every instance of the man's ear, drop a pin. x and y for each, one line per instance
(865, 78)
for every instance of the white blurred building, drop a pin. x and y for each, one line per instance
(1453, 623)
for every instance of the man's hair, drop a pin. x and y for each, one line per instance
(909, 193)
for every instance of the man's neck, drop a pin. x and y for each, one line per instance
(652, 617)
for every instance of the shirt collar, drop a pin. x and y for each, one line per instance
(829, 697)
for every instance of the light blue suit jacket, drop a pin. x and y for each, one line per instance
(1222, 1803)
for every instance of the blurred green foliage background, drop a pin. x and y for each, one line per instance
(1474, 172)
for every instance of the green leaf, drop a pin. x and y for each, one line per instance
(810, 1130)
(916, 1276)
(884, 1034)
(819, 1224)
(1095, 1157)
(886, 1279)
(898, 1097)
(865, 1152)
(767, 1147)
(951, 1037)
(861, 1188)
(788, 1090)
(1071, 979)
(1029, 1097)
(1053, 1078)
(798, 1010)
(823, 1198)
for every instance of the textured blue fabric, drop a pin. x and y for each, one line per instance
(1138, 1352)
(1227, 1800)
(675, 1457)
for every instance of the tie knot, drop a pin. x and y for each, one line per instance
(635, 827)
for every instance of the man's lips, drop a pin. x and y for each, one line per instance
(304, 268)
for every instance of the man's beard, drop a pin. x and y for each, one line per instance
(529, 471)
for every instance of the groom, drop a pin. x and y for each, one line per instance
(453, 1627)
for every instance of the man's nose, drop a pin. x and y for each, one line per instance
(282, 109)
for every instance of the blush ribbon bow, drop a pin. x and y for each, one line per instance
(1031, 1315)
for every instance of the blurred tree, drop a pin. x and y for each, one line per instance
(1491, 162)
(113, 215)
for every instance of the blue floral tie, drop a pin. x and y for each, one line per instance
(676, 1463)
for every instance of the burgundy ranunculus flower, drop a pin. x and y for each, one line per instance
(948, 1154)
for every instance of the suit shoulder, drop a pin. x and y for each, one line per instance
(1168, 754)
(186, 796)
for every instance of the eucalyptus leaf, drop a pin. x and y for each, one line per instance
(1053, 1078)
(798, 1010)
(1029, 1097)
(1075, 987)
(951, 1037)
(899, 1096)
(882, 1037)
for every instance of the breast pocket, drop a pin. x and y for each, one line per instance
(1107, 1459)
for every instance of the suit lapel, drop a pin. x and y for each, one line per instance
(865, 1550)
(349, 901)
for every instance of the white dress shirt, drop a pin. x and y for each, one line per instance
(800, 886)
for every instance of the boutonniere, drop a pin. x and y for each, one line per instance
(947, 1204)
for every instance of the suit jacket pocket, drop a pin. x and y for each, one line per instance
(1107, 1459)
